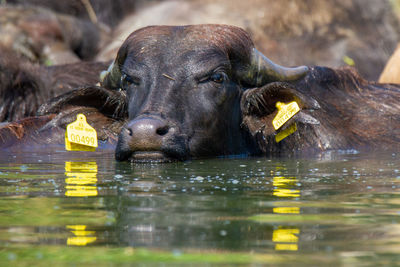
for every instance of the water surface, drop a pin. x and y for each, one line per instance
(84, 208)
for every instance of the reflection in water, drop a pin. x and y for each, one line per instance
(283, 187)
(286, 238)
(341, 211)
(82, 236)
(81, 182)
(287, 210)
(81, 179)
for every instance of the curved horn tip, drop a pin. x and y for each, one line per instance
(103, 74)
(299, 72)
(110, 78)
(266, 69)
(106, 72)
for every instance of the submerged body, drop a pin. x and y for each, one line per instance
(175, 93)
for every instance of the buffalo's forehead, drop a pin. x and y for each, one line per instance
(172, 44)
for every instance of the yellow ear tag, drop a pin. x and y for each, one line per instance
(80, 136)
(285, 112)
(285, 133)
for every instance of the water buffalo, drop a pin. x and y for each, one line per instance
(103, 11)
(179, 92)
(205, 90)
(25, 86)
(43, 36)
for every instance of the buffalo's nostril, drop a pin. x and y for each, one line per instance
(162, 130)
(129, 131)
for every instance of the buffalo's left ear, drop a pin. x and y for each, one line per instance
(258, 107)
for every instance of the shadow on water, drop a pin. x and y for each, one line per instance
(337, 208)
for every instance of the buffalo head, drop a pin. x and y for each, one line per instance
(185, 88)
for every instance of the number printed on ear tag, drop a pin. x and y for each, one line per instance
(285, 112)
(80, 136)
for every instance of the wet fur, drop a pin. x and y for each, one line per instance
(25, 86)
(108, 12)
(105, 110)
(340, 110)
(352, 113)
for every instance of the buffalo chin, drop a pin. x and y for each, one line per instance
(150, 157)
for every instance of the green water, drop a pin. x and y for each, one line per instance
(85, 209)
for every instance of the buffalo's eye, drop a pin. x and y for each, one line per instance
(217, 78)
(127, 81)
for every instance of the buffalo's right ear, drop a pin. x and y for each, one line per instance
(105, 110)
(111, 103)
(258, 107)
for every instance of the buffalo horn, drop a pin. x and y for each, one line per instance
(111, 77)
(262, 70)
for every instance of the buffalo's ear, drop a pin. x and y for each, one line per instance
(105, 110)
(258, 107)
(111, 103)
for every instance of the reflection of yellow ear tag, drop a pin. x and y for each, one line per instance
(285, 112)
(80, 136)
